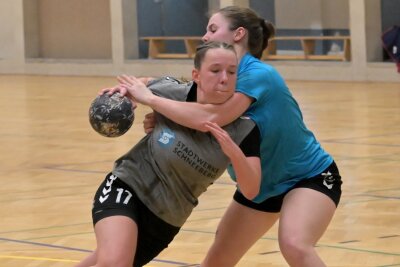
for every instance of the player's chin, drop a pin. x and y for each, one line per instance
(222, 97)
(225, 93)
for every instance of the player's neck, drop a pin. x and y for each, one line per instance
(240, 51)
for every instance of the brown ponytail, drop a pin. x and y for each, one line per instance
(259, 30)
(268, 33)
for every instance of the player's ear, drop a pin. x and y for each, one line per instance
(239, 34)
(195, 75)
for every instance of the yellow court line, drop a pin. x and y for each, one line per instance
(35, 258)
(39, 259)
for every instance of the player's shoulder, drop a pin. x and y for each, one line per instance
(166, 80)
(170, 87)
(250, 64)
(244, 121)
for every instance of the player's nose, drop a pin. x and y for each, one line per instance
(205, 38)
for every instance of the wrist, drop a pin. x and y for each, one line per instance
(152, 101)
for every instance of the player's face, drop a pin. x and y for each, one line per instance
(218, 30)
(216, 78)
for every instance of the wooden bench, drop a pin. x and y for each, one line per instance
(157, 46)
(308, 45)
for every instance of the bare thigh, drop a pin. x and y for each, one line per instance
(238, 230)
(116, 240)
(305, 215)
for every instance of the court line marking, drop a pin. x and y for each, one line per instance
(318, 245)
(362, 144)
(360, 137)
(43, 244)
(35, 258)
(391, 265)
(45, 228)
(46, 259)
(262, 238)
(80, 250)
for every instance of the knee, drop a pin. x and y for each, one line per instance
(216, 256)
(293, 247)
(114, 262)
(215, 261)
(207, 262)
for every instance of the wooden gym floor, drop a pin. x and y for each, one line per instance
(52, 162)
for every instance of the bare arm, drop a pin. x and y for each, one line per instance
(247, 169)
(189, 114)
(195, 115)
(144, 80)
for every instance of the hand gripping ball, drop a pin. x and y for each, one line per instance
(111, 116)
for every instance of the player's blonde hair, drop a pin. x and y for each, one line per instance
(203, 48)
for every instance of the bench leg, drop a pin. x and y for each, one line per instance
(346, 50)
(191, 46)
(308, 47)
(155, 48)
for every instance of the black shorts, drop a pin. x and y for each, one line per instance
(114, 197)
(328, 182)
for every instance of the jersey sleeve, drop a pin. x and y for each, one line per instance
(251, 143)
(252, 82)
(170, 88)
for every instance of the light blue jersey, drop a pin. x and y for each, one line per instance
(289, 151)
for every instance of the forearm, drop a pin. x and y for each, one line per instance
(248, 174)
(194, 115)
(188, 114)
(247, 168)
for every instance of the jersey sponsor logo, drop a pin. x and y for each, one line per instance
(328, 179)
(195, 161)
(166, 138)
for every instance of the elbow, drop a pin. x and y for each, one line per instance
(251, 193)
(201, 127)
(252, 189)
(214, 118)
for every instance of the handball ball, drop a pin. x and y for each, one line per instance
(111, 116)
